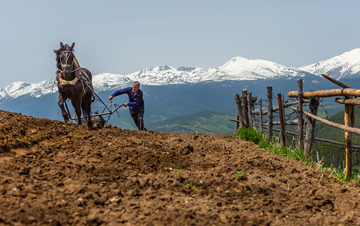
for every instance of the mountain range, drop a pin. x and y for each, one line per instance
(236, 69)
(170, 92)
(346, 65)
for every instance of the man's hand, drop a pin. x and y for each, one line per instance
(111, 97)
(126, 104)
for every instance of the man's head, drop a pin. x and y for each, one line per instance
(135, 86)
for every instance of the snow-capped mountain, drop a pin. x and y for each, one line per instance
(342, 66)
(16, 89)
(236, 69)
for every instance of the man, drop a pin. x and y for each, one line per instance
(136, 103)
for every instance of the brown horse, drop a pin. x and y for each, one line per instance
(74, 83)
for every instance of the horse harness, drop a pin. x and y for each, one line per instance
(83, 77)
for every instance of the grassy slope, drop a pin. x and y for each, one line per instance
(205, 122)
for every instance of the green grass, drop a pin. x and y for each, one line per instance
(175, 168)
(249, 134)
(248, 192)
(190, 185)
(239, 174)
(294, 153)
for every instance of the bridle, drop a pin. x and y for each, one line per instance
(82, 76)
(66, 54)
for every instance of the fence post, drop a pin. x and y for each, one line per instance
(310, 127)
(270, 113)
(240, 110)
(283, 110)
(300, 114)
(253, 115)
(249, 109)
(281, 114)
(349, 121)
(238, 113)
(261, 116)
(245, 108)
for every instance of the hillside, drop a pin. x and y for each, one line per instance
(331, 133)
(204, 122)
(335, 154)
(57, 174)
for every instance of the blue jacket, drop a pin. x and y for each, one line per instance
(136, 102)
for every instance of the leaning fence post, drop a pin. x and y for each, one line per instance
(237, 113)
(300, 114)
(270, 113)
(245, 108)
(281, 114)
(310, 127)
(239, 109)
(261, 116)
(349, 121)
(249, 109)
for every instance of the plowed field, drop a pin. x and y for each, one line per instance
(57, 174)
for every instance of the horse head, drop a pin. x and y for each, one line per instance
(65, 60)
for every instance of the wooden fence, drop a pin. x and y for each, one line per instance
(246, 116)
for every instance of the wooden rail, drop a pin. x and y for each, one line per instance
(327, 93)
(347, 101)
(335, 81)
(316, 138)
(257, 112)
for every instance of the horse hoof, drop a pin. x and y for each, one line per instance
(92, 128)
(69, 121)
(90, 125)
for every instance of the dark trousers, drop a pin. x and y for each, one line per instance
(138, 117)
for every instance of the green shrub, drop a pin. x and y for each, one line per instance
(249, 134)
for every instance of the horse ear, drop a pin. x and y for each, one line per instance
(61, 45)
(72, 46)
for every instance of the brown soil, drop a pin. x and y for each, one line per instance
(57, 174)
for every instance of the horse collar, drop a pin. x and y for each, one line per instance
(68, 83)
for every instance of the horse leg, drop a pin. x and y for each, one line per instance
(63, 112)
(76, 103)
(86, 107)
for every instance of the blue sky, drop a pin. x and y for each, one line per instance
(122, 37)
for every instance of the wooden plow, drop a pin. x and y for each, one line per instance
(98, 117)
